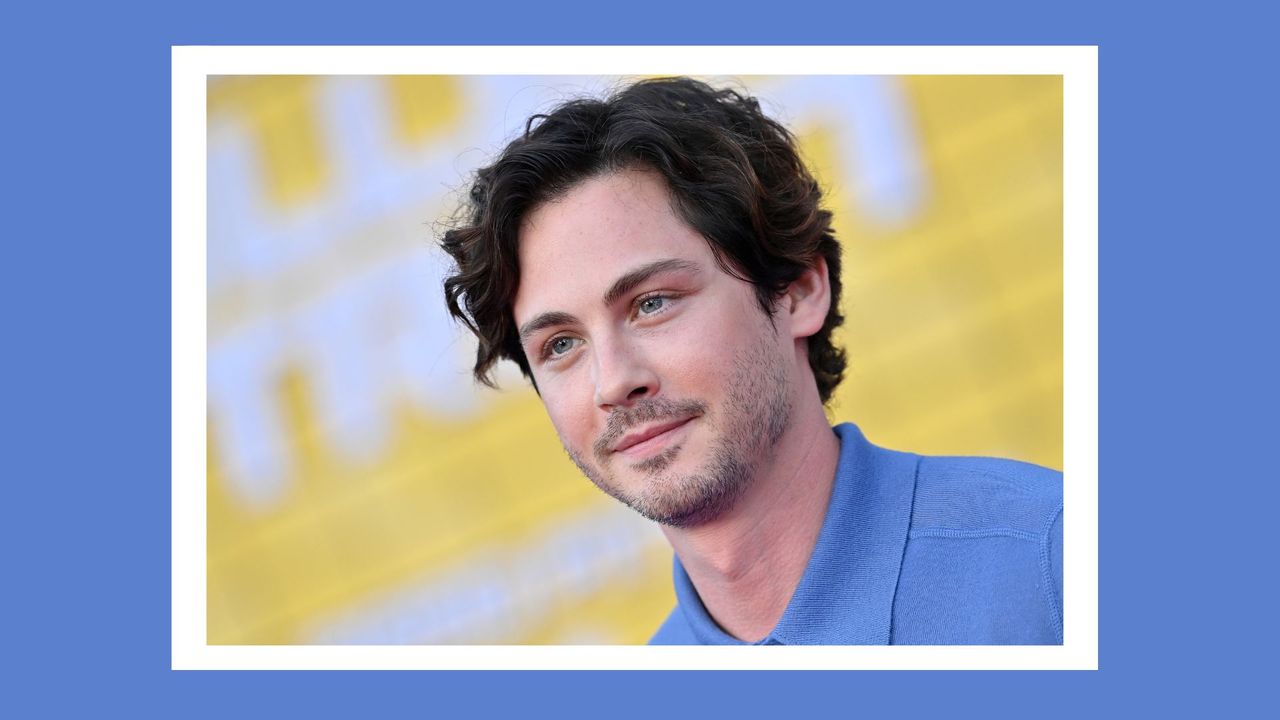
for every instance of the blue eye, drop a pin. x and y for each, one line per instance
(651, 305)
(560, 345)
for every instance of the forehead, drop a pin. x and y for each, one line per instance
(573, 248)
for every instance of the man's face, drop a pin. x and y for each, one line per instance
(666, 382)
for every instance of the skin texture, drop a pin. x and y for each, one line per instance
(631, 327)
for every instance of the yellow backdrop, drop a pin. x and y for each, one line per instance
(361, 489)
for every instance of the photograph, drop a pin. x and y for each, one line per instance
(445, 406)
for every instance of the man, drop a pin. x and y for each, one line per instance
(659, 266)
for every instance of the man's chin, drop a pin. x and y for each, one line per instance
(684, 501)
(670, 488)
(681, 515)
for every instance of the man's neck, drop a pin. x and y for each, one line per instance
(747, 563)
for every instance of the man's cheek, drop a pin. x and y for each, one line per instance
(572, 427)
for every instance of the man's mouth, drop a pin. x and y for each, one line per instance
(648, 439)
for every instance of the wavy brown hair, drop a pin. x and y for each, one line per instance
(734, 174)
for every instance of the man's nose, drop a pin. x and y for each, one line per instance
(623, 374)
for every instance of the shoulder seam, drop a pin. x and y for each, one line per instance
(1046, 571)
(911, 514)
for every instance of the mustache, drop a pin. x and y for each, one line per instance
(649, 410)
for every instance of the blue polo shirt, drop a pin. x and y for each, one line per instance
(917, 550)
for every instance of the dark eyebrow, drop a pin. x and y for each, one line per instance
(543, 321)
(620, 287)
(628, 282)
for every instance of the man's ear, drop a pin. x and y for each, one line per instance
(809, 298)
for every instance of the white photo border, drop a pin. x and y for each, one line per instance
(1078, 65)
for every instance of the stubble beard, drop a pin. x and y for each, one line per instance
(755, 415)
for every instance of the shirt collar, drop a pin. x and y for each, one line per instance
(845, 596)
